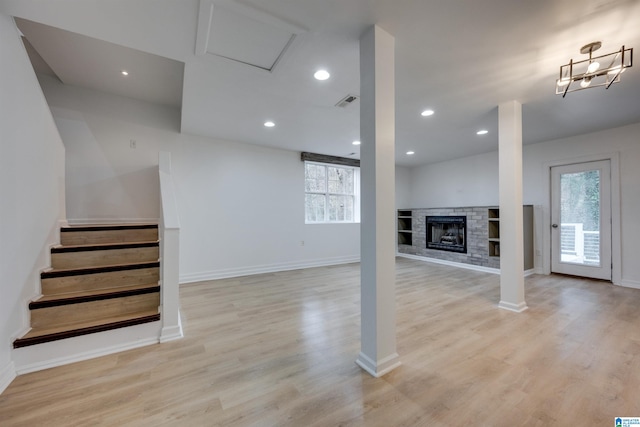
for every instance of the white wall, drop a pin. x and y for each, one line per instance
(242, 210)
(31, 189)
(470, 181)
(241, 206)
(623, 140)
(106, 178)
(434, 185)
(403, 187)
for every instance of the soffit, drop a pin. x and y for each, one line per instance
(87, 62)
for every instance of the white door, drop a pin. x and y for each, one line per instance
(581, 219)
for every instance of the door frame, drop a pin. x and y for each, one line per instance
(603, 269)
(616, 241)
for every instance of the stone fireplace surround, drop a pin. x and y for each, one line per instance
(477, 236)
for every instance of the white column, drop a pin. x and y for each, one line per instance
(377, 229)
(169, 253)
(510, 183)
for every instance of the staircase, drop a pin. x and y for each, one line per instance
(101, 278)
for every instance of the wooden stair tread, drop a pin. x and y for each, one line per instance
(41, 335)
(92, 295)
(104, 246)
(36, 332)
(107, 227)
(57, 272)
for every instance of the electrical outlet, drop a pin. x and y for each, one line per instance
(132, 143)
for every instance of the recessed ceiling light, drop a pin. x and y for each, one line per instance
(321, 75)
(426, 113)
(269, 124)
(482, 132)
(125, 73)
(410, 153)
(356, 142)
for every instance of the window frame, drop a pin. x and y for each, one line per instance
(355, 195)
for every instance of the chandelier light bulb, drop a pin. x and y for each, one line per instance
(563, 81)
(585, 82)
(593, 67)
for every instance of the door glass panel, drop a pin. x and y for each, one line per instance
(580, 218)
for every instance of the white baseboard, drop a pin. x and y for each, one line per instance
(248, 271)
(451, 263)
(57, 353)
(108, 221)
(629, 284)
(7, 374)
(463, 265)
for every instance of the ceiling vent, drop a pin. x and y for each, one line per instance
(347, 100)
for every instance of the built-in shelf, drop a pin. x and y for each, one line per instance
(494, 247)
(493, 218)
(405, 228)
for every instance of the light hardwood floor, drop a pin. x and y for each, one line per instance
(279, 350)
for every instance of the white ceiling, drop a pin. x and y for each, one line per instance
(459, 57)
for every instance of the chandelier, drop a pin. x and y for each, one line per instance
(603, 70)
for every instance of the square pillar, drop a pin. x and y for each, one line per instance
(377, 229)
(510, 185)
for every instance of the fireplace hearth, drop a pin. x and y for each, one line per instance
(447, 233)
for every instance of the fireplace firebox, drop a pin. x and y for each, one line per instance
(447, 233)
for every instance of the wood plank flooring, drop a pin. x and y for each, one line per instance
(279, 350)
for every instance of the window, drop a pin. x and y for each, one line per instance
(331, 193)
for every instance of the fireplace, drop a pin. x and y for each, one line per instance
(447, 233)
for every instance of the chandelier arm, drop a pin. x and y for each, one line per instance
(616, 57)
(619, 71)
(613, 79)
(622, 66)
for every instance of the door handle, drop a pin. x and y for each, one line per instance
(554, 225)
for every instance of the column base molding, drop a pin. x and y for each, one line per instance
(380, 368)
(518, 308)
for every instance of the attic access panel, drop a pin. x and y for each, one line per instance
(241, 38)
